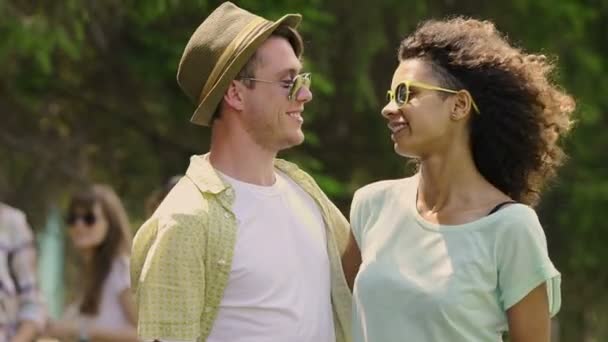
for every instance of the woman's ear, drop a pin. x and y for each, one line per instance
(461, 105)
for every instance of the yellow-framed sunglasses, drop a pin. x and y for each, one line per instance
(401, 94)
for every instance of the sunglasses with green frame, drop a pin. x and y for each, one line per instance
(294, 85)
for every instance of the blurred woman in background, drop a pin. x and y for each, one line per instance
(102, 309)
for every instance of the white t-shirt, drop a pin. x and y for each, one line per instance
(111, 314)
(279, 284)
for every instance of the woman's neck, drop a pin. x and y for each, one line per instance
(452, 181)
(87, 256)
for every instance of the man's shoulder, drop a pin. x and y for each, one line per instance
(184, 210)
(293, 171)
(179, 225)
(286, 166)
(185, 198)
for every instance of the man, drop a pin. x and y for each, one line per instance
(22, 314)
(245, 247)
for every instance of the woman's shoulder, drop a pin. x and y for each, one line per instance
(121, 263)
(517, 221)
(385, 189)
(119, 273)
(518, 214)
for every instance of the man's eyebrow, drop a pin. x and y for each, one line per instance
(291, 72)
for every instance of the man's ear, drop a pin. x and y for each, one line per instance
(234, 95)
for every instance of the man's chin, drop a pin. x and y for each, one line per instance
(293, 141)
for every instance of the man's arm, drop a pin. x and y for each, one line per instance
(167, 273)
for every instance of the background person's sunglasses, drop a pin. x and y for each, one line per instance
(89, 219)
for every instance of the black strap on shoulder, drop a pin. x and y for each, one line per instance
(500, 205)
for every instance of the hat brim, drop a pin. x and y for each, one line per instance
(203, 113)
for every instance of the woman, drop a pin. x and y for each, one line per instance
(456, 253)
(98, 228)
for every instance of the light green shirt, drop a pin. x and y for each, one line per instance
(182, 255)
(424, 282)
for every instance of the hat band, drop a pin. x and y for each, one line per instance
(240, 42)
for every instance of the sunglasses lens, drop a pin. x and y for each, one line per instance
(297, 84)
(401, 94)
(89, 219)
(302, 80)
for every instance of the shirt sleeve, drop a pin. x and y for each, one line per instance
(340, 226)
(23, 267)
(168, 278)
(523, 262)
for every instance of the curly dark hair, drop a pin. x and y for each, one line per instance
(514, 139)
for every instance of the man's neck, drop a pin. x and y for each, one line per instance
(243, 160)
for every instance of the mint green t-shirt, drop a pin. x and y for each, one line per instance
(425, 282)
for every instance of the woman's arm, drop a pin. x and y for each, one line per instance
(351, 260)
(113, 335)
(69, 329)
(125, 334)
(128, 306)
(529, 319)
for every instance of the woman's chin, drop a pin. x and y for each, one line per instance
(84, 246)
(404, 151)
